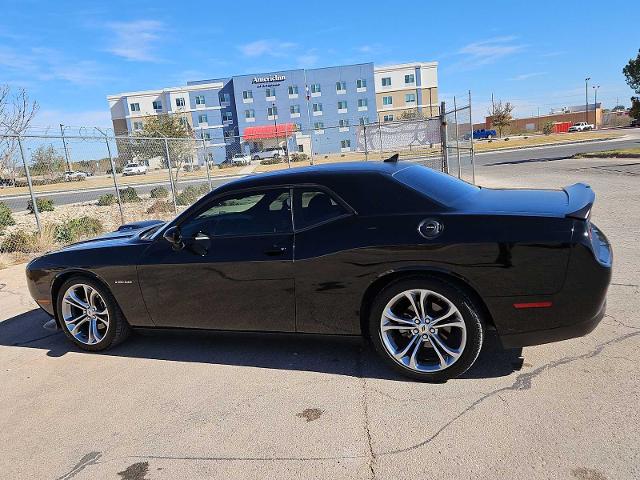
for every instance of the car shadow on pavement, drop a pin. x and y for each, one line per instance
(350, 356)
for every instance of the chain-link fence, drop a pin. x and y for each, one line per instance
(56, 190)
(457, 145)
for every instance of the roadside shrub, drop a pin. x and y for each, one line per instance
(106, 200)
(225, 165)
(43, 204)
(159, 192)
(547, 128)
(190, 194)
(299, 157)
(129, 195)
(270, 161)
(19, 241)
(73, 229)
(160, 206)
(6, 218)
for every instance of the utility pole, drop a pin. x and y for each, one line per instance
(307, 96)
(595, 107)
(586, 99)
(64, 144)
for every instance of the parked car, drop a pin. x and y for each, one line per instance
(635, 123)
(483, 134)
(417, 261)
(70, 175)
(580, 127)
(274, 152)
(134, 169)
(241, 159)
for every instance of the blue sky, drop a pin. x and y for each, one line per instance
(70, 55)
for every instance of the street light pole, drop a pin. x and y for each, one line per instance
(64, 144)
(586, 99)
(595, 107)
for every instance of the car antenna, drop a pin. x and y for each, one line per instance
(393, 158)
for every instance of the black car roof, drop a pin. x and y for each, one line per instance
(311, 174)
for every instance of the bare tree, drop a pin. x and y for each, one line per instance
(501, 115)
(16, 113)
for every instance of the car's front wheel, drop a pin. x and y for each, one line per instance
(426, 328)
(89, 315)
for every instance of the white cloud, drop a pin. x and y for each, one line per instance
(307, 60)
(489, 51)
(526, 76)
(273, 48)
(135, 40)
(48, 121)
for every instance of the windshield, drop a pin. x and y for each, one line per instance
(444, 189)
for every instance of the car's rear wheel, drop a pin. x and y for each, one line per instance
(426, 328)
(89, 315)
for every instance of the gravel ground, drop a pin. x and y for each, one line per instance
(254, 406)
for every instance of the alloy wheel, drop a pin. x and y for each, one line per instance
(85, 314)
(423, 330)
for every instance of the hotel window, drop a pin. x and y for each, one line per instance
(411, 78)
(343, 123)
(227, 117)
(341, 87)
(250, 113)
(387, 100)
(202, 118)
(318, 125)
(386, 81)
(157, 105)
(342, 105)
(409, 98)
(206, 135)
(270, 92)
(361, 83)
(180, 102)
(315, 88)
(362, 102)
(200, 100)
(137, 125)
(317, 107)
(364, 120)
(387, 118)
(272, 111)
(293, 90)
(247, 94)
(345, 143)
(135, 107)
(225, 97)
(294, 109)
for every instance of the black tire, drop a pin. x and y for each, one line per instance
(469, 312)
(118, 329)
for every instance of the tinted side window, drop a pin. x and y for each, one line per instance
(254, 213)
(313, 206)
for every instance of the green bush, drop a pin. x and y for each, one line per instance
(160, 206)
(43, 204)
(547, 128)
(6, 218)
(106, 200)
(129, 195)
(19, 241)
(270, 161)
(159, 192)
(190, 194)
(76, 228)
(299, 157)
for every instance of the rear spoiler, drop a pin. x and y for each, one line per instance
(580, 198)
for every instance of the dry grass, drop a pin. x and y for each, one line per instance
(622, 153)
(537, 140)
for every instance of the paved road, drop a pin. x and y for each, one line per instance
(244, 406)
(19, 203)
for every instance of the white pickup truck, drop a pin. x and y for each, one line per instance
(134, 169)
(580, 127)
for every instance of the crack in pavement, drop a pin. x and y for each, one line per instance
(365, 408)
(618, 322)
(90, 458)
(522, 382)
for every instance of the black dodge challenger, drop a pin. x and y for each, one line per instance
(418, 261)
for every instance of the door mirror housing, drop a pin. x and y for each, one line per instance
(173, 236)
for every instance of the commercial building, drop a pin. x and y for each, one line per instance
(306, 110)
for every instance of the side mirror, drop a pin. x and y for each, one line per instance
(173, 236)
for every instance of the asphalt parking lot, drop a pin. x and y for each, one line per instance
(258, 406)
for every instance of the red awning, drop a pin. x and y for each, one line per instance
(281, 130)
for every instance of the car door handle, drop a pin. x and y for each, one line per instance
(275, 251)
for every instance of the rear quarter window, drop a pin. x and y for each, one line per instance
(440, 187)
